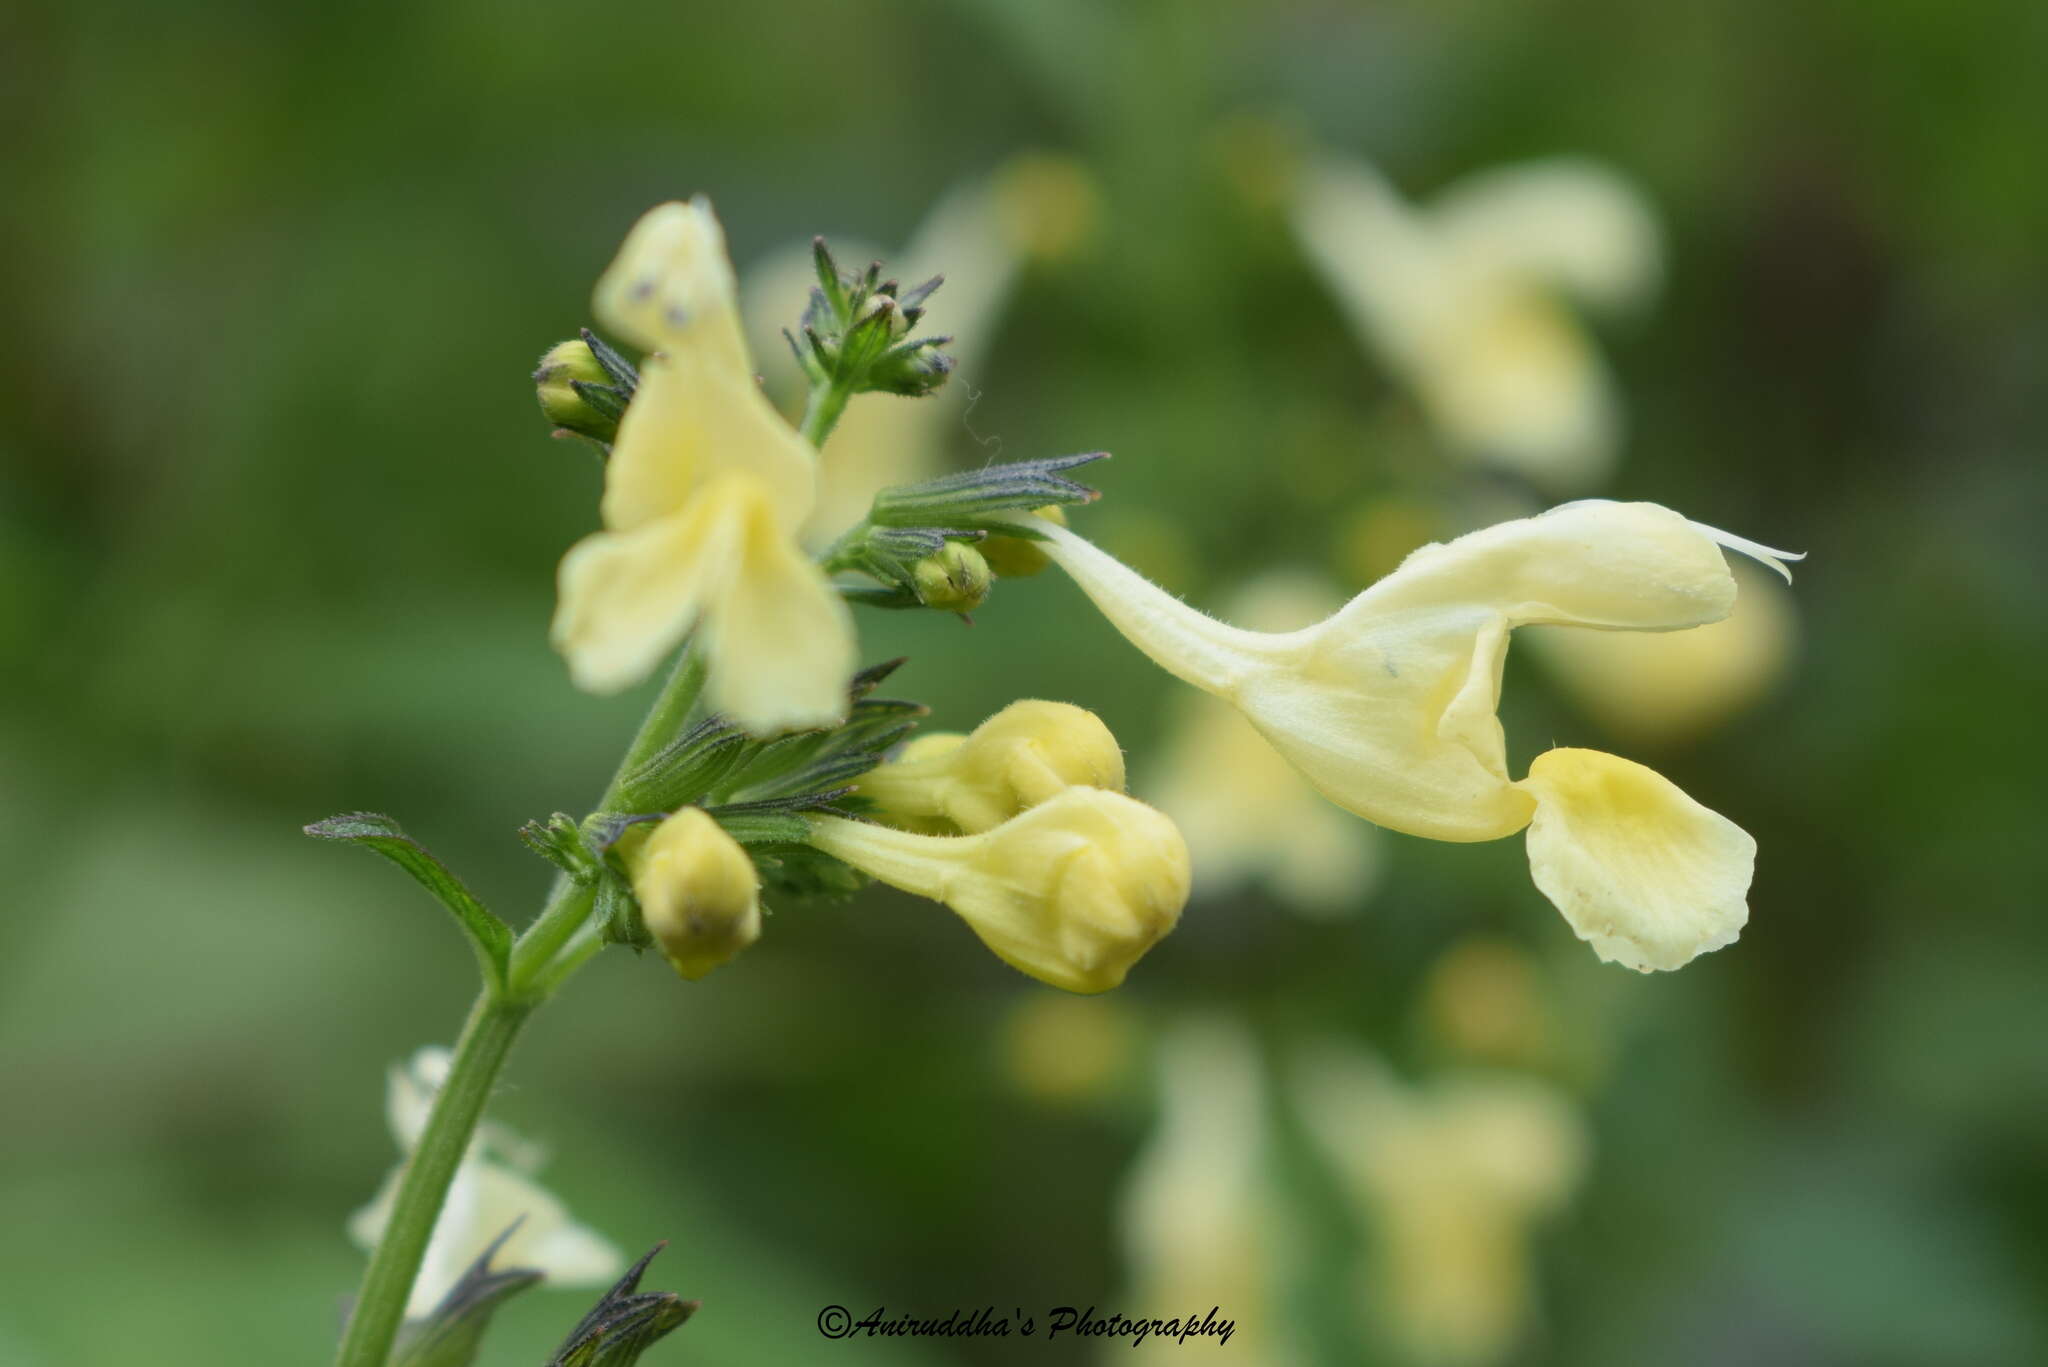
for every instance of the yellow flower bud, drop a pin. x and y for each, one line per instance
(1014, 557)
(1072, 892)
(700, 897)
(1024, 755)
(956, 579)
(554, 380)
(883, 303)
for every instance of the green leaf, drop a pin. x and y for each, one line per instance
(624, 1324)
(490, 937)
(452, 1331)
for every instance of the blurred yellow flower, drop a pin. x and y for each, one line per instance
(493, 1189)
(1484, 999)
(980, 234)
(1463, 300)
(1263, 822)
(1388, 708)
(1198, 1212)
(1672, 686)
(700, 897)
(1020, 757)
(1061, 1049)
(1451, 1179)
(1072, 891)
(703, 491)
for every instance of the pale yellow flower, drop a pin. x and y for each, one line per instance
(1464, 300)
(1671, 686)
(1072, 891)
(1248, 815)
(700, 897)
(703, 492)
(979, 235)
(1451, 1179)
(1199, 1210)
(1020, 757)
(1388, 708)
(493, 1188)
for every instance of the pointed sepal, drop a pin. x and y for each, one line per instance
(625, 1323)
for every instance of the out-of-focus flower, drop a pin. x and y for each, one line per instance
(493, 1188)
(1464, 300)
(1672, 686)
(1072, 891)
(703, 491)
(700, 897)
(1388, 708)
(1063, 1049)
(1247, 814)
(1484, 1000)
(1451, 1179)
(1022, 756)
(1199, 1209)
(979, 235)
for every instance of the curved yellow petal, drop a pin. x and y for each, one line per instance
(626, 599)
(671, 287)
(779, 637)
(1593, 563)
(1564, 222)
(690, 424)
(1644, 874)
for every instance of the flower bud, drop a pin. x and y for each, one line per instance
(955, 579)
(566, 366)
(1024, 755)
(883, 305)
(699, 894)
(1072, 892)
(1014, 557)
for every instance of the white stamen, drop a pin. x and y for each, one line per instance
(1754, 550)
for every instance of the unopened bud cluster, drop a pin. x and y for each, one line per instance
(855, 333)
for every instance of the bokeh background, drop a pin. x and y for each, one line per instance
(278, 524)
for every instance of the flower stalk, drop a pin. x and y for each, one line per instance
(494, 1023)
(543, 957)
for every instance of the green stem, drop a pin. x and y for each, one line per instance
(568, 908)
(821, 413)
(479, 1056)
(555, 945)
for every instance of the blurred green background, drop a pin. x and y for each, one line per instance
(278, 527)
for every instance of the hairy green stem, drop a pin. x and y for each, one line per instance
(821, 412)
(479, 1056)
(558, 942)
